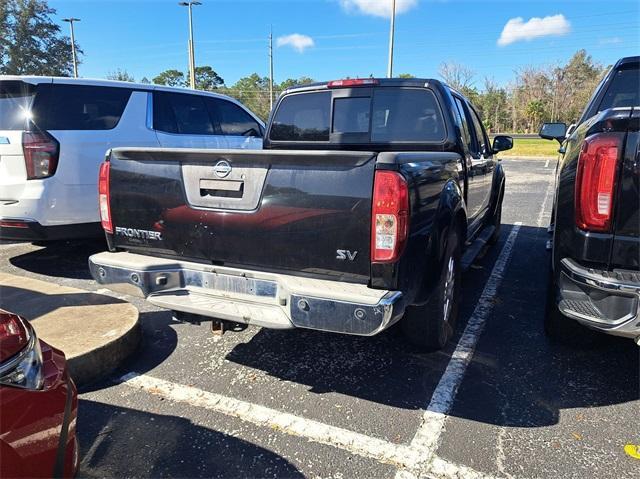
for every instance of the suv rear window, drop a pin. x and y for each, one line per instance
(15, 104)
(395, 115)
(624, 90)
(78, 107)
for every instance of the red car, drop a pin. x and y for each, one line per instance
(38, 405)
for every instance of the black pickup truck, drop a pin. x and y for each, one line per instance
(356, 214)
(595, 267)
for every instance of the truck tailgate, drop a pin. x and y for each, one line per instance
(626, 243)
(286, 211)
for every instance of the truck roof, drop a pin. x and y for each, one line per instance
(626, 61)
(398, 82)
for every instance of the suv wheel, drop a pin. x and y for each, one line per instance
(431, 325)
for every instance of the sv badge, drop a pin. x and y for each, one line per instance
(343, 254)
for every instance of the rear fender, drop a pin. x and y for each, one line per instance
(451, 213)
(497, 188)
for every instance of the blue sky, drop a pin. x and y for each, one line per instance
(339, 38)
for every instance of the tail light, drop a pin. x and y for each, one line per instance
(389, 216)
(596, 181)
(352, 82)
(104, 197)
(41, 152)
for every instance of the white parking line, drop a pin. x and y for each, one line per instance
(543, 209)
(428, 435)
(402, 456)
(416, 459)
(546, 164)
(354, 442)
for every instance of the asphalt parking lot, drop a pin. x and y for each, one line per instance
(500, 400)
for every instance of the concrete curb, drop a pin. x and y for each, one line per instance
(96, 332)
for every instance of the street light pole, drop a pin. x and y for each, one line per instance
(391, 34)
(192, 61)
(73, 45)
(271, 70)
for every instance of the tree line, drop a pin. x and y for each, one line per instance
(31, 43)
(535, 95)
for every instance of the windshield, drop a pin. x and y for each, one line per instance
(16, 98)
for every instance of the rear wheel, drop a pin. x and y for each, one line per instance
(431, 325)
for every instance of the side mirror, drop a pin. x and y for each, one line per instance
(553, 131)
(502, 143)
(251, 132)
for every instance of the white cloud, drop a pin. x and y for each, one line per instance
(296, 41)
(377, 8)
(517, 29)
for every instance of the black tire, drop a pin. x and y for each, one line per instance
(430, 326)
(560, 328)
(496, 221)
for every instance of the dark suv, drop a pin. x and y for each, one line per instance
(595, 267)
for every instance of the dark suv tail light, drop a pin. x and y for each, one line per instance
(104, 197)
(389, 216)
(41, 152)
(596, 181)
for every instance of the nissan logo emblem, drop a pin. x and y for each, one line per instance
(222, 169)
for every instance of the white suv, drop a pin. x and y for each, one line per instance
(54, 133)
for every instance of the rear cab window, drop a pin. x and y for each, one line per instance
(372, 115)
(624, 89)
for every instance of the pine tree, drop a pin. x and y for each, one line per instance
(31, 43)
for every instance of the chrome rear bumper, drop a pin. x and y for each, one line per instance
(250, 297)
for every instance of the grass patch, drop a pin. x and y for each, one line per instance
(532, 147)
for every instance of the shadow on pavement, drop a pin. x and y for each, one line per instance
(157, 445)
(33, 304)
(159, 340)
(514, 363)
(61, 259)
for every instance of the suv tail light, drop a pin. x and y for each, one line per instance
(596, 181)
(389, 216)
(104, 197)
(41, 152)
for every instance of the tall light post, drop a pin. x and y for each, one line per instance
(192, 61)
(70, 21)
(271, 69)
(391, 34)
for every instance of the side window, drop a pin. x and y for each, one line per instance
(164, 119)
(181, 113)
(233, 120)
(79, 107)
(466, 134)
(481, 137)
